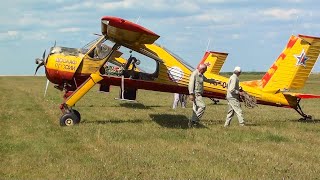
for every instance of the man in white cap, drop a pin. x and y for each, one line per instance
(196, 90)
(233, 97)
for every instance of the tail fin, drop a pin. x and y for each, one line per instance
(214, 61)
(293, 66)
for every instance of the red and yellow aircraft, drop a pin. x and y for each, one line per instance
(125, 44)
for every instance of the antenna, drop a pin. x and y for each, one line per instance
(208, 44)
(295, 24)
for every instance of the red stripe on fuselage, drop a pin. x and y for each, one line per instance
(150, 85)
(58, 76)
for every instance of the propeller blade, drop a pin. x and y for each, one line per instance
(41, 64)
(45, 91)
(44, 54)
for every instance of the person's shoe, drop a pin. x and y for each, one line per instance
(242, 124)
(195, 123)
(192, 124)
(226, 125)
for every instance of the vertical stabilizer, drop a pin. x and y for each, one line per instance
(214, 61)
(294, 64)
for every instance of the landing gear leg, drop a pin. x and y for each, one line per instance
(215, 101)
(305, 117)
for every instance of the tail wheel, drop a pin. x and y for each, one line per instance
(69, 119)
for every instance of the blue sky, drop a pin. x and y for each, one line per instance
(252, 32)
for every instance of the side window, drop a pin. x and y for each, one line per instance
(140, 62)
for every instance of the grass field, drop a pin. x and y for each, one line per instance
(149, 140)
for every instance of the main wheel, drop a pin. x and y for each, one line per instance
(69, 119)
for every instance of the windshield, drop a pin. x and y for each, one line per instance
(178, 58)
(86, 47)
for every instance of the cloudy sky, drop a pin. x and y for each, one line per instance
(252, 32)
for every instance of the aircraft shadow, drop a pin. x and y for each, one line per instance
(172, 121)
(134, 105)
(306, 121)
(138, 106)
(111, 121)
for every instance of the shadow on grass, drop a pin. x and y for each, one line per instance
(111, 121)
(172, 121)
(219, 104)
(251, 124)
(306, 121)
(134, 105)
(234, 122)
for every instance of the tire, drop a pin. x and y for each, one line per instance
(69, 119)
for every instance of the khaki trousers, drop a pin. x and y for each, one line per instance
(234, 106)
(198, 108)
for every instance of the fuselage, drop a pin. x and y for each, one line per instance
(70, 67)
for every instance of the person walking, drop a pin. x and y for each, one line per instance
(182, 98)
(196, 90)
(233, 97)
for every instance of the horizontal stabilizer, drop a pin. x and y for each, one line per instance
(302, 96)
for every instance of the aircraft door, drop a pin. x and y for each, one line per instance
(128, 93)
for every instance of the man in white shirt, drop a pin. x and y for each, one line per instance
(233, 98)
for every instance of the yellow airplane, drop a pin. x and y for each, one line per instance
(289, 72)
(126, 44)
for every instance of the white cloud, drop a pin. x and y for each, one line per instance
(79, 6)
(111, 6)
(235, 36)
(187, 6)
(35, 35)
(9, 35)
(28, 19)
(294, 1)
(282, 14)
(70, 29)
(155, 6)
(13, 33)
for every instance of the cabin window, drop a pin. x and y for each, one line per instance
(139, 65)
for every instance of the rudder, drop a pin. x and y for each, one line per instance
(293, 66)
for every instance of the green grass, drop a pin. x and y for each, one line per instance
(149, 140)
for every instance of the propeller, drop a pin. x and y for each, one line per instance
(40, 61)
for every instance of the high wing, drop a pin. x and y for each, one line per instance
(126, 32)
